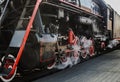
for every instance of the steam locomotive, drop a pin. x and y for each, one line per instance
(53, 33)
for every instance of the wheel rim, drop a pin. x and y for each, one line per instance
(8, 65)
(51, 65)
(91, 50)
(84, 54)
(77, 57)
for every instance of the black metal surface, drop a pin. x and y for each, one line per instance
(70, 8)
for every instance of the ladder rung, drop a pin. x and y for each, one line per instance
(33, 30)
(29, 6)
(25, 18)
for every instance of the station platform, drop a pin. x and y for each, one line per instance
(104, 68)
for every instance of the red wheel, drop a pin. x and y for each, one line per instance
(9, 62)
(76, 57)
(91, 50)
(84, 54)
(63, 59)
(50, 66)
(102, 45)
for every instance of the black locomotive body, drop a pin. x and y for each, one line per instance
(53, 33)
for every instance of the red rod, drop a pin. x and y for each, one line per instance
(26, 36)
(71, 37)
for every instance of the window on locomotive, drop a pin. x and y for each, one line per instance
(96, 9)
(76, 2)
(49, 18)
(86, 3)
(110, 14)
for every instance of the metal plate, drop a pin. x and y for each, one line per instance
(17, 39)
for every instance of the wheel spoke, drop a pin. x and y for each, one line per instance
(9, 62)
